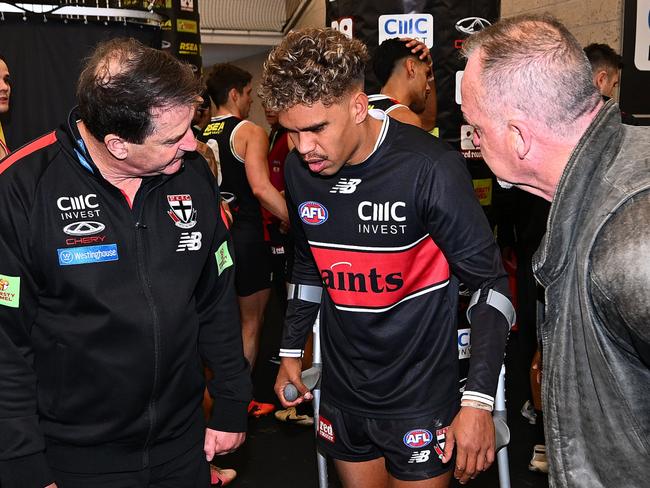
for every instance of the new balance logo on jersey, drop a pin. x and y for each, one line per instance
(420, 456)
(346, 186)
(189, 241)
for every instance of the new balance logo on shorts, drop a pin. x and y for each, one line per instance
(346, 186)
(419, 456)
(189, 241)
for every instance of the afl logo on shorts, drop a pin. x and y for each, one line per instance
(312, 213)
(417, 438)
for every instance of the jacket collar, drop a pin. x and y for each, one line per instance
(77, 147)
(577, 187)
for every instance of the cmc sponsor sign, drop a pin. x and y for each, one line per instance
(417, 26)
(464, 343)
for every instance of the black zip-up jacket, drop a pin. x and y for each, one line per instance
(108, 310)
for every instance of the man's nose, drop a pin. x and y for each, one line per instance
(188, 143)
(304, 143)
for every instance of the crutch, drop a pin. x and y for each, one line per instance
(499, 417)
(311, 379)
(502, 431)
(321, 460)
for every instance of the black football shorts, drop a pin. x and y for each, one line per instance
(412, 447)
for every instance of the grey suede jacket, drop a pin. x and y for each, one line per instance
(595, 264)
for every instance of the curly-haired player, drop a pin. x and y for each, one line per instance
(385, 220)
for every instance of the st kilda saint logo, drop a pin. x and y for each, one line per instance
(182, 212)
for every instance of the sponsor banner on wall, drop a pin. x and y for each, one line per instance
(181, 32)
(440, 25)
(45, 54)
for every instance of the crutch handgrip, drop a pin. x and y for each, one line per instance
(502, 432)
(310, 378)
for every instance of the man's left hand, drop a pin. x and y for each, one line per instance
(218, 442)
(472, 433)
(419, 49)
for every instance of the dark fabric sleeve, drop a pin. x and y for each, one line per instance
(459, 227)
(220, 340)
(300, 314)
(22, 460)
(620, 276)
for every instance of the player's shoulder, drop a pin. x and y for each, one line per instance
(247, 128)
(419, 144)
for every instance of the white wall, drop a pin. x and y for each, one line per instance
(588, 20)
(253, 65)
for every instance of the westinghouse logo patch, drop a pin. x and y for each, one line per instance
(72, 256)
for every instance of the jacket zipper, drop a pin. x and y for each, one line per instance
(141, 227)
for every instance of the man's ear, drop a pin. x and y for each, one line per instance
(409, 66)
(117, 146)
(233, 94)
(359, 107)
(600, 79)
(520, 137)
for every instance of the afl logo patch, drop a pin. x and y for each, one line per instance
(312, 213)
(417, 438)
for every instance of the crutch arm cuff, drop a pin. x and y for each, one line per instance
(307, 293)
(495, 300)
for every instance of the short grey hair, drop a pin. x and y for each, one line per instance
(312, 65)
(534, 64)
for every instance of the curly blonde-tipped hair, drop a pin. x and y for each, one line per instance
(312, 65)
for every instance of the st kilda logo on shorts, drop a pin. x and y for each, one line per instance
(441, 437)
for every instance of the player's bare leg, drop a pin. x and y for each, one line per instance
(441, 481)
(367, 474)
(251, 312)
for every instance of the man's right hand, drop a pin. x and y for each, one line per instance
(290, 369)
